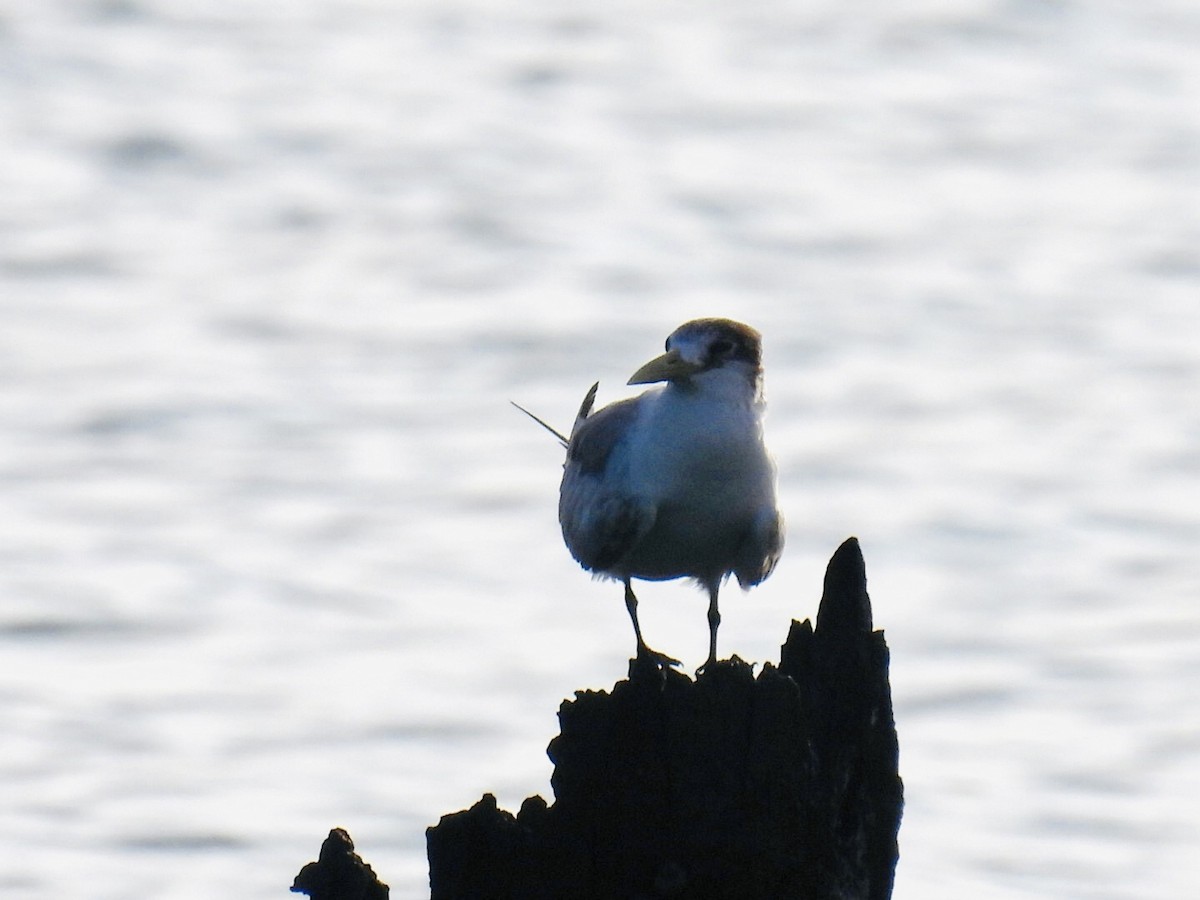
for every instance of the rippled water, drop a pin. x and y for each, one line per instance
(278, 555)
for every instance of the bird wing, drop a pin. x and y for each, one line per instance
(562, 439)
(600, 521)
(761, 548)
(584, 409)
(594, 437)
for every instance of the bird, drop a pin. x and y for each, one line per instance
(677, 482)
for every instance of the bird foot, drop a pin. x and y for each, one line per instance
(653, 657)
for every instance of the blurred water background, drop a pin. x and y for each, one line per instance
(278, 555)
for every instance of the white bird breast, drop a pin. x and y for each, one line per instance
(700, 462)
(677, 448)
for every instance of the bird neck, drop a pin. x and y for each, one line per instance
(731, 383)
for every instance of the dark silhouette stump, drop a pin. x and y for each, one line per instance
(779, 786)
(339, 873)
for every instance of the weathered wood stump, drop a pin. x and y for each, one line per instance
(339, 873)
(783, 785)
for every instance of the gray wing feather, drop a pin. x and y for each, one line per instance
(600, 523)
(761, 549)
(593, 438)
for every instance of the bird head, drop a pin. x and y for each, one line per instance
(703, 345)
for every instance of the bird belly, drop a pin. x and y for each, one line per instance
(685, 543)
(683, 489)
(707, 499)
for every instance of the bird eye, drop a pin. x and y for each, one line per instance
(721, 347)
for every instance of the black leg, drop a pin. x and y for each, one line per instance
(714, 622)
(644, 652)
(631, 603)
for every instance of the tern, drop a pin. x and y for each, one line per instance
(677, 482)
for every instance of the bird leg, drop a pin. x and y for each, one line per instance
(643, 652)
(714, 622)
